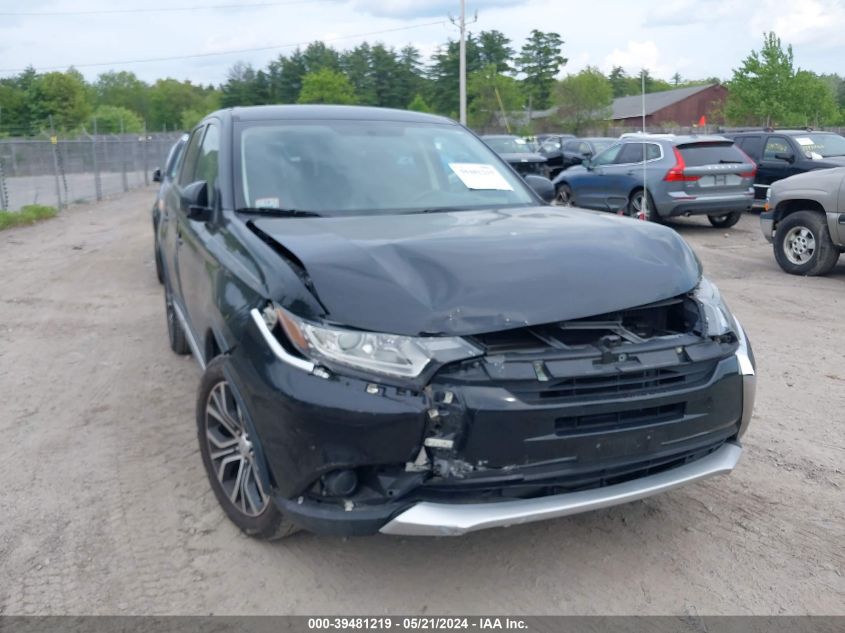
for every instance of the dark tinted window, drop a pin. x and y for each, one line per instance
(189, 166)
(776, 145)
(174, 160)
(572, 146)
(711, 154)
(207, 160)
(751, 145)
(633, 153)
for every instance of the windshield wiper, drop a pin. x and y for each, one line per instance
(279, 213)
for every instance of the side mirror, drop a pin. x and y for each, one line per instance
(157, 175)
(789, 158)
(195, 201)
(543, 187)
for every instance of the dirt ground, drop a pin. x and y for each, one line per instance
(105, 508)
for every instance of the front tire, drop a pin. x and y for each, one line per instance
(230, 461)
(803, 246)
(726, 220)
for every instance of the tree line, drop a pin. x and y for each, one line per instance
(765, 89)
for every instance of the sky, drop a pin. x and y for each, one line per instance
(696, 38)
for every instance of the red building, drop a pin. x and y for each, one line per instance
(684, 106)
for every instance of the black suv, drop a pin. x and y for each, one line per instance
(399, 335)
(783, 153)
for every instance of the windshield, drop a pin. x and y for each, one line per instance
(600, 146)
(818, 146)
(350, 167)
(508, 145)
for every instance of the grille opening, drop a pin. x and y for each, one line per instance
(619, 419)
(635, 325)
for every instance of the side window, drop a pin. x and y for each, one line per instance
(776, 145)
(571, 146)
(608, 156)
(207, 160)
(176, 159)
(583, 148)
(631, 153)
(652, 151)
(751, 145)
(186, 176)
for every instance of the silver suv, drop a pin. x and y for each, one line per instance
(661, 176)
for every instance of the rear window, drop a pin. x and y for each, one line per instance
(699, 154)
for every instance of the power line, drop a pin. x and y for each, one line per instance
(219, 53)
(210, 7)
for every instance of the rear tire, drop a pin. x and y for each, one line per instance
(175, 334)
(229, 459)
(564, 197)
(725, 221)
(635, 207)
(803, 246)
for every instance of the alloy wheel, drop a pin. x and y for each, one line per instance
(799, 245)
(231, 452)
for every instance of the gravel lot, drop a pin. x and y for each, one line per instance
(105, 508)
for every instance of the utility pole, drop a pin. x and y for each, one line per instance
(463, 63)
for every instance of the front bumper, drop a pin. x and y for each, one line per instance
(767, 225)
(308, 426)
(444, 519)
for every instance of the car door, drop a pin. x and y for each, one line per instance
(170, 226)
(588, 186)
(774, 164)
(195, 265)
(620, 177)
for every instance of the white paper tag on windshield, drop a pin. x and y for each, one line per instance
(480, 176)
(803, 140)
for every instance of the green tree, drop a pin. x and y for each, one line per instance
(326, 86)
(14, 111)
(169, 98)
(418, 104)
(539, 62)
(814, 101)
(493, 96)
(584, 99)
(620, 83)
(114, 119)
(444, 71)
(245, 87)
(494, 47)
(762, 88)
(122, 89)
(64, 96)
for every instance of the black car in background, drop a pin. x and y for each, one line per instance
(165, 177)
(399, 335)
(562, 153)
(783, 153)
(518, 153)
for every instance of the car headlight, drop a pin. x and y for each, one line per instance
(388, 354)
(718, 320)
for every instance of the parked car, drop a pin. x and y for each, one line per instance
(563, 153)
(681, 175)
(398, 335)
(783, 153)
(804, 218)
(171, 167)
(517, 153)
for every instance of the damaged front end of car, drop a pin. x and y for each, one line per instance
(445, 435)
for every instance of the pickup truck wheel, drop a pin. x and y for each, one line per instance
(229, 458)
(726, 220)
(175, 333)
(640, 211)
(564, 197)
(803, 246)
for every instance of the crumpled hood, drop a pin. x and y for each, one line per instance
(471, 272)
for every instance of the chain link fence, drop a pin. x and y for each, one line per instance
(58, 172)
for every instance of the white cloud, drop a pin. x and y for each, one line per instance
(424, 8)
(820, 22)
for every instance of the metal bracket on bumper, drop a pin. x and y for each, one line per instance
(443, 519)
